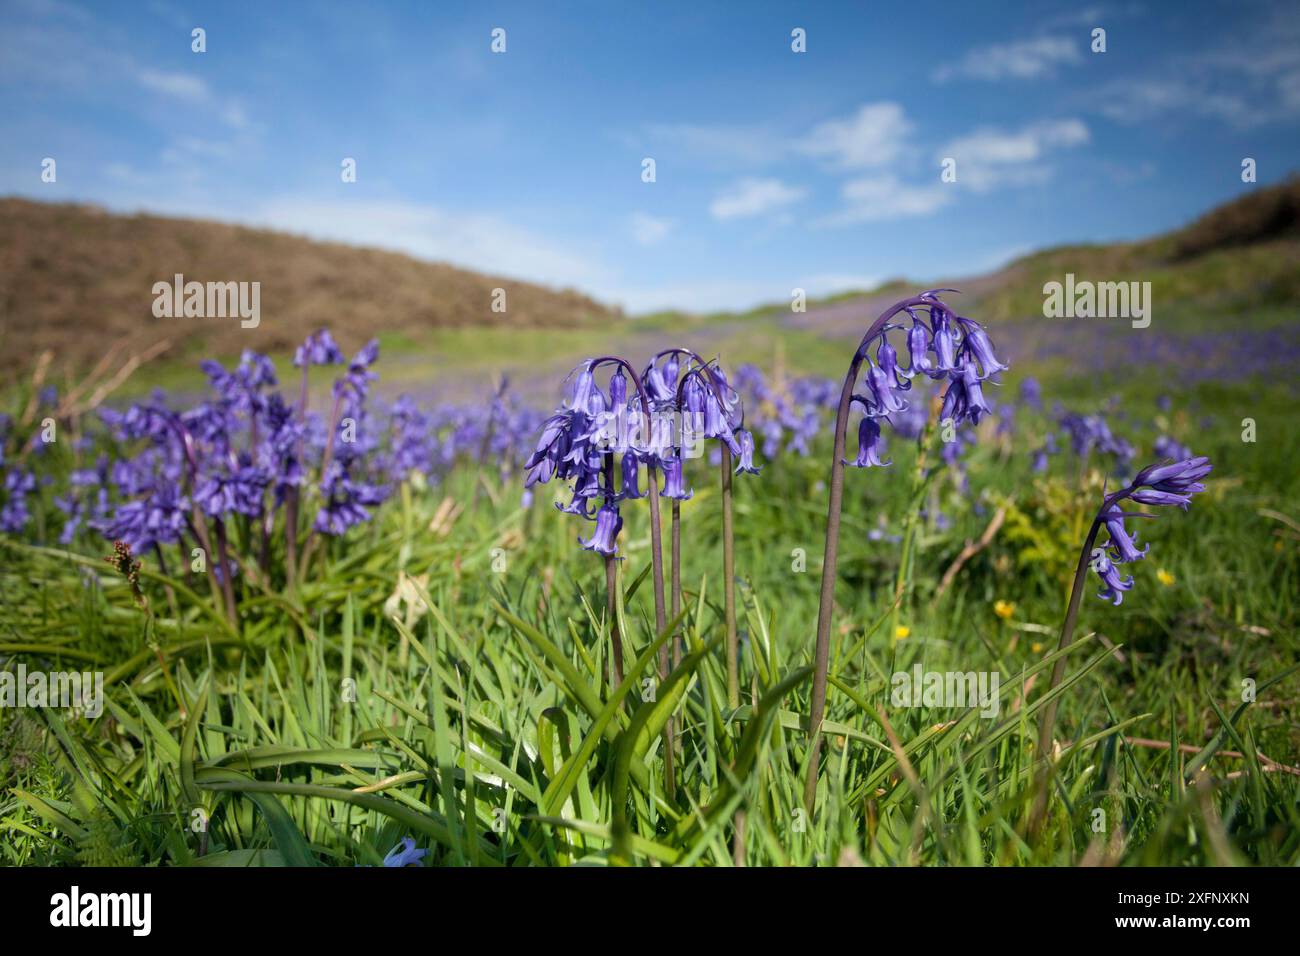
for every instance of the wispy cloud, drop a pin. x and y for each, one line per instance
(873, 136)
(183, 86)
(485, 242)
(879, 198)
(1245, 79)
(649, 230)
(1018, 60)
(724, 145)
(754, 197)
(990, 157)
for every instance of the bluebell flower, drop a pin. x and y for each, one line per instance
(918, 347)
(346, 501)
(1172, 483)
(354, 386)
(1113, 585)
(745, 459)
(1031, 393)
(870, 445)
(157, 518)
(674, 480)
(608, 524)
(405, 854)
(1167, 447)
(318, 349)
(14, 515)
(976, 345)
(631, 467)
(238, 489)
(1123, 545)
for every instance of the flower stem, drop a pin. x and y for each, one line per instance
(729, 582)
(826, 604)
(611, 590)
(656, 558)
(1047, 722)
(657, 574)
(223, 555)
(676, 587)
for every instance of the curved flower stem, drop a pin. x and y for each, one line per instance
(830, 556)
(729, 582)
(1047, 721)
(656, 556)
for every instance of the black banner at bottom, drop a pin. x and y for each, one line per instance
(370, 905)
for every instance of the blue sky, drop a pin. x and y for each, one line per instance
(774, 169)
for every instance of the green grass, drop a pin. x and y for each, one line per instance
(486, 728)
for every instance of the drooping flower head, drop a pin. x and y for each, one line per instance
(942, 345)
(318, 349)
(1172, 483)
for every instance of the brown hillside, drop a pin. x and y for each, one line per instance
(76, 279)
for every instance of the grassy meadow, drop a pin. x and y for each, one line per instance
(441, 672)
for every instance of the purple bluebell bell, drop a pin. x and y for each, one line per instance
(1031, 393)
(674, 480)
(605, 536)
(1167, 447)
(318, 349)
(745, 457)
(1124, 546)
(346, 501)
(870, 445)
(159, 517)
(918, 348)
(405, 854)
(236, 489)
(631, 467)
(1172, 483)
(1113, 585)
(354, 385)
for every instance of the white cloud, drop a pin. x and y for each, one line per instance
(1140, 101)
(1249, 78)
(992, 157)
(723, 145)
(705, 295)
(874, 136)
(1019, 60)
(753, 197)
(479, 241)
(647, 230)
(182, 86)
(877, 198)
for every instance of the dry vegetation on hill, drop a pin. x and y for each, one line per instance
(75, 279)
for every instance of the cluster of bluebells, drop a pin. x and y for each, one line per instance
(246, 455)
(1173, 483)
(940, 346)
(785, 419)
(1090, 434)
(600, 440)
